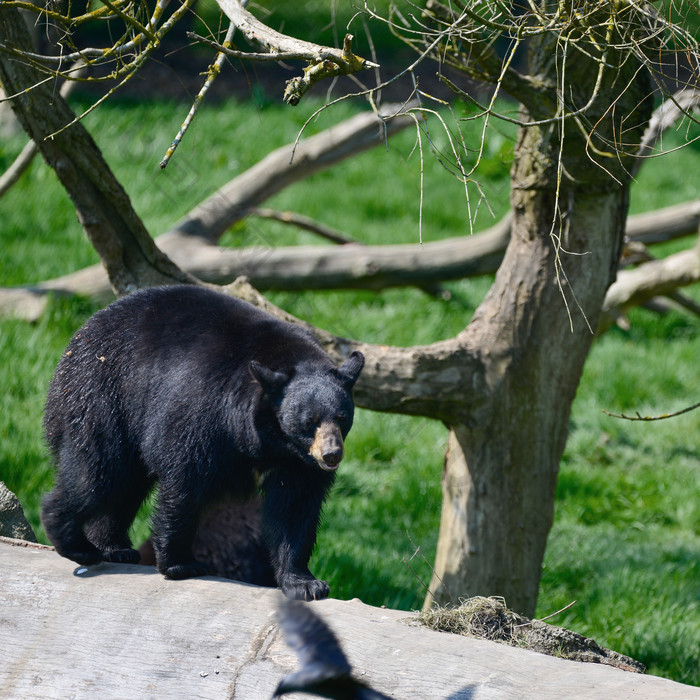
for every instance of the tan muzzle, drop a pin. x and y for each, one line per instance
(327, 448)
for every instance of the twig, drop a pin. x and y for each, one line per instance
(547, 617)
(212, 74)
(681, 104)
(305, 222)
(422, 556)
(663, 416)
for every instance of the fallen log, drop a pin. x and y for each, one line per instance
(125, 631)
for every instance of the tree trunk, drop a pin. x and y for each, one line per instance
(533, 332)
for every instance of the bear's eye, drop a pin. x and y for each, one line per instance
(311, 422)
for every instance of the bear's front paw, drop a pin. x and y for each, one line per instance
(188, 569)
(305, 589)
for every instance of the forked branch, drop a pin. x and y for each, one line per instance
(323, 61)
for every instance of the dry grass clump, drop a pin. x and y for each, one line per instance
(483, 618)
(489, 618)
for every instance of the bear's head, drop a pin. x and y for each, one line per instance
(314, 407)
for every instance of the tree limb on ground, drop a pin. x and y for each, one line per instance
(652, 279)
(322, 267)
(286, 165)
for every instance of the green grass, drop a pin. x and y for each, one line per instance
(626, 539)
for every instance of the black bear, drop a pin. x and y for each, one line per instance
(206, 397)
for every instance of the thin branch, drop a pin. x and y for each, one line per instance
(20, 164)
(681, 104)
(663, 416)
(212, 74)
(304, 222)
(548, 617)
(275, 171)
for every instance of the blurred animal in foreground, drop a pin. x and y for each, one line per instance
(325, 670)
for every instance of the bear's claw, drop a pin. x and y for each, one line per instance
(311, 589)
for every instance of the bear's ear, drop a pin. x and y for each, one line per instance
(350, 369)
(272, 382)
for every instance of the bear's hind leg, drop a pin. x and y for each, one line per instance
(110, 531)
(63, 520)
(174, 525)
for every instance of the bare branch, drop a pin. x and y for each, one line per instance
(664, 224)
(663, 416)
(127, 251)
(651, 279)
(26, 156)
(303, 222)
(471, 51)
(285, 165)
(212, 74)
(21, 163)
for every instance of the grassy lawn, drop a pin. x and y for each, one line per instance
(626, 539)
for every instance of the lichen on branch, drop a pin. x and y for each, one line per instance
(329, 68)
(323, 61)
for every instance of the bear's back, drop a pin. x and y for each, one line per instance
(178, 349)
(161, 328)
(188, 319)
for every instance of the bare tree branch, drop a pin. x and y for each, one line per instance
(127, 251)
(320, 267)
(683, 103)
(663, 416)
(20, 164)
(471, 51)
(651, 279)
(304, 222)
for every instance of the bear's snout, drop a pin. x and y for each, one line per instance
(327, 448)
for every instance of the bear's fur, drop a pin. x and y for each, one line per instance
(205, 396)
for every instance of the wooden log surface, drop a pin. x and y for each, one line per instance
(123, 631)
